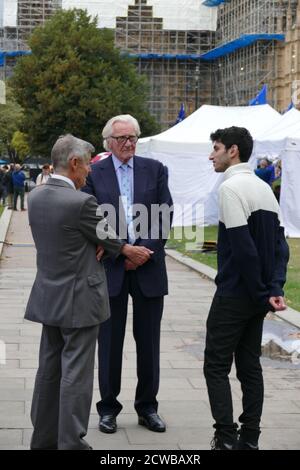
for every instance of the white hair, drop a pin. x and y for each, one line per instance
(108, 128)
(68, 146)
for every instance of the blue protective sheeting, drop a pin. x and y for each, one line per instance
(153, 55)
(4, 54)
(214, 3)
(244, 41)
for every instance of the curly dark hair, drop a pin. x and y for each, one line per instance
(239, 136)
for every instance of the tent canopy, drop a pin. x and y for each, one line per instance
(192, 135)
(273, 141)
(283, 141)
(185, 149)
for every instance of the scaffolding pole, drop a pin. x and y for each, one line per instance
(240, 75)
(30, 13)
(174, 80)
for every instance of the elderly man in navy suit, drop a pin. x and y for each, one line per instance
(123, 180)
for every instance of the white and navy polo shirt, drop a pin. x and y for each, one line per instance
(252, 250)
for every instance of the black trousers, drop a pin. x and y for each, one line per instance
(234, 330)
(147, 314)
(19, 192)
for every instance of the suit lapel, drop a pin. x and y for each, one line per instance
(110, 181)
(140, 177)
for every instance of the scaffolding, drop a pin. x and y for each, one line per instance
(238, 76)
(32, 13)
(170, 59)
(176, 32)
(25, 15)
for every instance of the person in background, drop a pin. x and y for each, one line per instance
(43, 177)
(266, 171)
(9, 185)
(2, 193)
(276, 185)
(18, 177)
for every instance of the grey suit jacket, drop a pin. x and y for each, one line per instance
(70, 289)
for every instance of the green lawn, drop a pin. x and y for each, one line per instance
(292, 287)
(1, 209)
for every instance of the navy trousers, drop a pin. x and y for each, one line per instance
(147, 314)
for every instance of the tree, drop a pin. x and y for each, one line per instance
(75, 80)
(11, 116)
(20, 144)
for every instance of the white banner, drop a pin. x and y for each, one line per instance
(177, 14)
(10, 12)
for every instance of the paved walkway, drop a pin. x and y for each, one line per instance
(183, 398)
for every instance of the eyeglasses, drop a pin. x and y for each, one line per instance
(122, 139)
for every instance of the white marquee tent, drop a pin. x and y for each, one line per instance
(185, 149)
(283, 141)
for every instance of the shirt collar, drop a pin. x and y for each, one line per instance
(117, 163)
(237, 169)
(64, 178)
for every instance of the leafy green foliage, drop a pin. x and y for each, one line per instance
(20, 143)
(74, 81)
(11, 116)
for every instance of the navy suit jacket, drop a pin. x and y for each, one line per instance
(150, 187)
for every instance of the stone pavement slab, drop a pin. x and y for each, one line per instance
(183, 400)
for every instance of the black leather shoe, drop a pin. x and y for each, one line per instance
(219, 444)
(108, 424)
(153, 422)
(245, 445)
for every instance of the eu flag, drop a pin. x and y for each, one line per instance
(261, 97)
(181, 114)
(290, 106)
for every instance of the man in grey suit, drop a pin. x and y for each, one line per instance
(69, 296)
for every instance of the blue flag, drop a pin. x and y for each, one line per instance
(181, 114)
(290, 106)
(261, 97)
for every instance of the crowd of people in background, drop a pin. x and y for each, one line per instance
(270, 172)
(13, 184)
(12, 180)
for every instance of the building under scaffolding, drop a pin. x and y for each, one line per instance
(165, 37)
(191, 53)
(19, 18)
(256, 27)
(169, 57)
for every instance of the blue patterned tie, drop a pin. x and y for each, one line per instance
(126, 194)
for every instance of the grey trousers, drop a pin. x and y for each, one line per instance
(63, 390)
